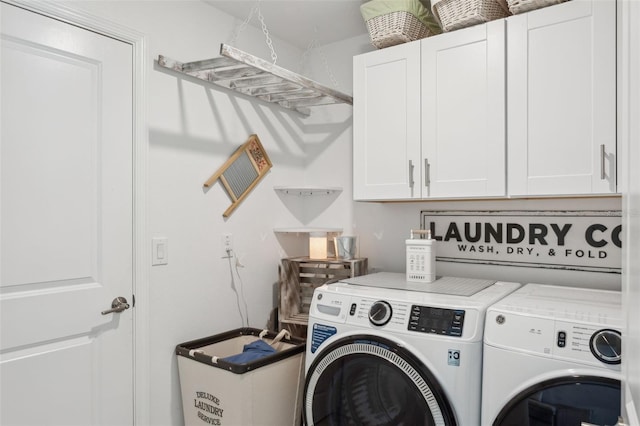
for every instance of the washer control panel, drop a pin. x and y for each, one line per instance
(389, 315)
(577, 342)
(446, 322)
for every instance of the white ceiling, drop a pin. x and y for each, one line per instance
(300, 22)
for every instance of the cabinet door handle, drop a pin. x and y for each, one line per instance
(427, 173)
(603, 156)
(411, 174)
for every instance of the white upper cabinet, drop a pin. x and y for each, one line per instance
(523, 106)
(429, 117)
(463, 112)
(386, 123)
(561, 96)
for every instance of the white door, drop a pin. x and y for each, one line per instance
(561, 97)
(386, 123)
(463, 112)
(65, 224)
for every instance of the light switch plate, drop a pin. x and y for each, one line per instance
(160, 251)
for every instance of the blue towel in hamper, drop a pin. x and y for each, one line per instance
(251, 352)
(258, 349)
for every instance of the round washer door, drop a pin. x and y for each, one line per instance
(571, 400)
(369, 380)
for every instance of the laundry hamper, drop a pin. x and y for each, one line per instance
(266, 391)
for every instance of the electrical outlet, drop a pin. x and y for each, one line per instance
(227, 245)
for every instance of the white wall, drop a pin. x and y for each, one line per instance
(330, 165)
(193, 129)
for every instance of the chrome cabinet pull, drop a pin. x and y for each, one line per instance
(411, 174)
(603, 156)
(427, 173)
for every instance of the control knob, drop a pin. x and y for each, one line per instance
(606, 346)
(380, 313)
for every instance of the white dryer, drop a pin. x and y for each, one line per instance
(383, 351)
(552, 357)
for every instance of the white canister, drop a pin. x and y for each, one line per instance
(421, 260)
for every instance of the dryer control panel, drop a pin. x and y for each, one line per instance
(446, 322)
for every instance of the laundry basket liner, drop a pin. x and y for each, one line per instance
(375, 8)
(200, 350)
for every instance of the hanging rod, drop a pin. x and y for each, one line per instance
(250, 75)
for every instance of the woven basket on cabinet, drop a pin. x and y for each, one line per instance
(520, 6)
(395, 28)
(456, 14)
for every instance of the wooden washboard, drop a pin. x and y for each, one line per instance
(242, 171)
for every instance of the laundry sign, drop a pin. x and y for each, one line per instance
(208, 408)
(573, 240)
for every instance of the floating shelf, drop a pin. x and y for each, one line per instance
(307, 230)
(250, 75)
(306, 191)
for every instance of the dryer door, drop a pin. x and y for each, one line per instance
(369, 380)
(573, 400)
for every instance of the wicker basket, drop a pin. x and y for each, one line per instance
(520, 6)
(456, 14)
(395, 28)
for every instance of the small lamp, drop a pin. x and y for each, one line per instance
(318, 245)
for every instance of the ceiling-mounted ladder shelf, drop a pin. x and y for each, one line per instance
(250, 75)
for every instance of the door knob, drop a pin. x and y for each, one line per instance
(119, 304)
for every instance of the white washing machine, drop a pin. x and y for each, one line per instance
(383, 351)
(552, 357)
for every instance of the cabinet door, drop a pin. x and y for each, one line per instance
(386, 123)
(561, 88)
(463, 112)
